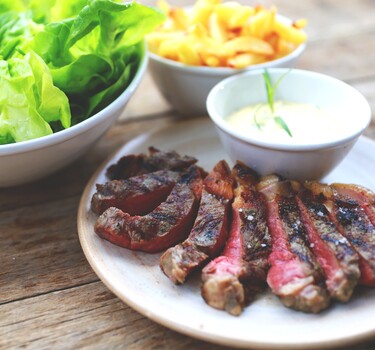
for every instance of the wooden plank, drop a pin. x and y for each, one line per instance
(347, 58)
(88, 316)
(147, 100)
(329, 19)
(40, 251)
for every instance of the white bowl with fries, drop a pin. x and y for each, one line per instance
(199, 46)
(310, 155)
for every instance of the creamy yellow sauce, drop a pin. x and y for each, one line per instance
(307, 123)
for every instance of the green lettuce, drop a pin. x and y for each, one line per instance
(62, 61)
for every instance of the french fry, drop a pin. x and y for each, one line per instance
(229, 34)
(168, 48)
(245, 59)
(233, 15)
(248, 44)
(198, 30)
(179, 17)
(188, 55)
(300, 23)
(216, 30)
(290, 33)
(211, 60)
(262, 23)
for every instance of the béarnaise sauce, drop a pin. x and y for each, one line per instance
(307, 124)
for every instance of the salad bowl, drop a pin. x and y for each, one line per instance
(66, 74)
(31, 160)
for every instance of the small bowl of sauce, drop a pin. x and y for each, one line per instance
(296, 123)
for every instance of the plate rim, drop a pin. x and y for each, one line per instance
(162, 320)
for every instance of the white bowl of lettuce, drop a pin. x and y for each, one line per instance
(67, 70)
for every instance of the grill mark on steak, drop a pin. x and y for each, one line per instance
(362, 195)
(333, 251)
(165, 226)
(210, 230)
(231, 281)
(133, 165)
(359, 230)
(295, 276)
(351, 220)
(136, 196)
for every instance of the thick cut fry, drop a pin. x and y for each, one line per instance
(262, 23)
(211, 61)
(245, 60)
(233, 15)
(217, 31)
(188, 55)
(248, 44)
(300, 23)
(179, 18)
(290, 33)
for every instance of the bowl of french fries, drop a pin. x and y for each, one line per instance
(197, 47)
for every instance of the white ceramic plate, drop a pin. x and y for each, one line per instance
(137, 280)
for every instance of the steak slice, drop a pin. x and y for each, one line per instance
(352, 222)
(231, 281)
(136, 196)
(295, 275)
(210, 231)
(364, 196)
(332, 250)
(165, 226)
(133, 165)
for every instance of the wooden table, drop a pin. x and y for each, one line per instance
(49, 295)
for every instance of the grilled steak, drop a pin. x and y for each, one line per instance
(332, 250)
(136, 196)
(210, 230)
(362, 195)
(295, 275)
(231, 280)
(351, 220)
(165, 226)
(132, 165)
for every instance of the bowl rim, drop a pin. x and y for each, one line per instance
(224, 126)
(81, 127)
(226, 70)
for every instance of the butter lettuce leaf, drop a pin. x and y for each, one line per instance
(19, 118)
(88, 54)
(61, 61)
(28, 100)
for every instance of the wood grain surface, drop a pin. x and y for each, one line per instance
(49, 296)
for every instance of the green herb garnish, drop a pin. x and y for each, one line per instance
(271, 90)
(258, 125)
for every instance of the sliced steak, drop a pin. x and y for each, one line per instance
(352, 222)
(332, 250)
(132, 165)
(231, 280)
(136, 196)
(295, 275)
(210, 230)
(364, 196)
(165, 226)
